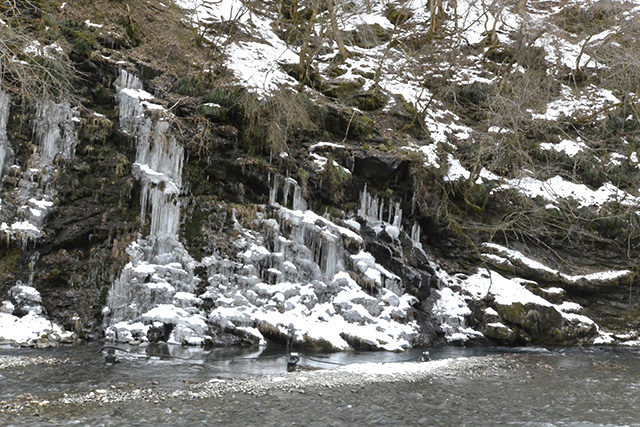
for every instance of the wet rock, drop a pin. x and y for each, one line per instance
(358, 343)
(159, 332)
(380, 170)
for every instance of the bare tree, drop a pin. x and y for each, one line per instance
(29, 69)
(336, 33)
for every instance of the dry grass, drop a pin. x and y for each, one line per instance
(167, 42)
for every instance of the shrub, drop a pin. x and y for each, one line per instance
(189, 86)
(41, 69)
(224, 97)
(593, 19)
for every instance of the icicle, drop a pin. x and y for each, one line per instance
(390, 213)
(160, 266)
(299, 203)
(330, 255)
(4, 141)
(159, 161)
(285, 191)
(363, 202)
(127, 80)
(55, 130)
(273, 191)
(415, 234)
(131, 110)
(397, 219)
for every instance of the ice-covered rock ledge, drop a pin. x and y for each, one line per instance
(515, 309)
(294, 279)
(22, 321)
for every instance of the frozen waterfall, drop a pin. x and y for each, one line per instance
(55, 130)
(55, 136)
(158, 284)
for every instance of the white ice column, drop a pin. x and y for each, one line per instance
(55, 130)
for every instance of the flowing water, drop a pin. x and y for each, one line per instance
(534, 387)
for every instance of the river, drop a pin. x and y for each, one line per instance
(459, 386)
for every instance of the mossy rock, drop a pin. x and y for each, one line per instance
(273, 333)
(538, 321)
(474, 94)
(337, 71)
(342, 88)
(358, 343)
(366, 74)
(396, 14)
(500, 333)
(368, 36)
(500, 54)
(96, 129)
(372, 100)
(362, 127)
(79, 36)
(10, 257)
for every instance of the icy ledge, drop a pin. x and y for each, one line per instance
(508, 304)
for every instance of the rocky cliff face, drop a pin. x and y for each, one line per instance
(371, 175)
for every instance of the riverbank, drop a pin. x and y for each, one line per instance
(310, 386)
(533, 387)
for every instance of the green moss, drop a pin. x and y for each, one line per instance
(372, 100)
(192, 231)
(9, 258)
(366, 74)
(131, 29)
(500, 334)
(337, 71)
(362, 127)
(81, 38)
(303, 176)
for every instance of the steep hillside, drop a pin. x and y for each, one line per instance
(325, 174)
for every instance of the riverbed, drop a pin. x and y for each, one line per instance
(458, 386)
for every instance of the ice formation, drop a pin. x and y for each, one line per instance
(161, 271)
(295, 276)
(55, 133)
(5, 148)
(305, 277)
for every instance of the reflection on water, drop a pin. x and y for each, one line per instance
(534, 386)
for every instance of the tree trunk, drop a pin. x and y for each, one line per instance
(337, 35)
(305, 58)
